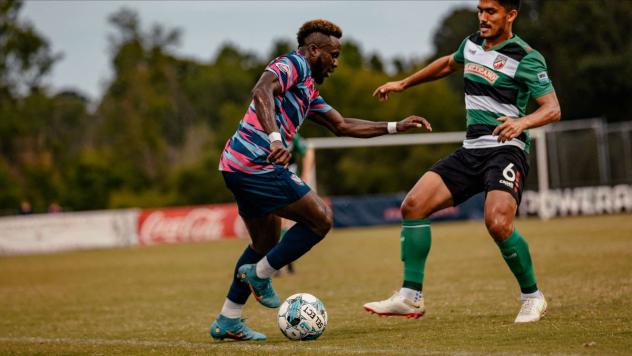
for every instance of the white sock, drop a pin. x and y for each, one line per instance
(536, 294)
(411, 294)
(231, 309)
(264, 270)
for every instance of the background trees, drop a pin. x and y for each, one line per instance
(155, 136)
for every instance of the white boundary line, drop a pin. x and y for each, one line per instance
(236, 346)
(99, 342)
(225, 345)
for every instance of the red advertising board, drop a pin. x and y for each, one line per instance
(188, 224)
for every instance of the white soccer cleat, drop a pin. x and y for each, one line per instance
(532, 309)
(397, 305)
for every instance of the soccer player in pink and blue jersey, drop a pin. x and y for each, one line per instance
(254, 165)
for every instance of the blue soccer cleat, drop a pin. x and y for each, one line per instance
(228, 328)
(261, 287)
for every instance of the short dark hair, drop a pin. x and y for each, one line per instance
(321, 26)
(510, 4)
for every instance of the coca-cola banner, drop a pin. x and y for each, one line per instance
(187, 224)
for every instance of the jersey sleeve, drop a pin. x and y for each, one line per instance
(459, 56)
(318, 104)
(289, 72)
(533, 74)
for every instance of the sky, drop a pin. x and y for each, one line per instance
(79, 29)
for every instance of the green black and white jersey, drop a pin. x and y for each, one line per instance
(499, 82)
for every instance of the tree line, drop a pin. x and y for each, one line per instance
(154, 137)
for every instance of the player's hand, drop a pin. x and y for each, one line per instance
(509, 129)
(279, 154)
(413, 122)
(390, 87)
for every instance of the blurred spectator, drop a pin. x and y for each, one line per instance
(25, 208)
(54, 207)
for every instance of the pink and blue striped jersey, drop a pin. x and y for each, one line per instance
(247, 150)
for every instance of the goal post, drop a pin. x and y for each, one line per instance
(322, 143)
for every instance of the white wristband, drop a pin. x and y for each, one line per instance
(274, 136)
(391, 127)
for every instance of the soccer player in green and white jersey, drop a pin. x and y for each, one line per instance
(501, 73)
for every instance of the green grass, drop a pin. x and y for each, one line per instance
(162, 299)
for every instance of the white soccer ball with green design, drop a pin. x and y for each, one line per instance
(302, 317)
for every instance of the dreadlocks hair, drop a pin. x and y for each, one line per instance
(510, 4)
(321, 26)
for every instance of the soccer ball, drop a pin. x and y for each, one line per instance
(302, 317)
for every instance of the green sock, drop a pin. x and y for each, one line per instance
(515, 251)
(415, 245)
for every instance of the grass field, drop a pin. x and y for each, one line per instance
(162, 299)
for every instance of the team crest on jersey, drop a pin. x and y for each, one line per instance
(283, 67)
(543, 78)
(499, 62)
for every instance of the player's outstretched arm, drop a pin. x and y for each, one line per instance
(548, 111)
(263, 97)
(345, 126)
(433, 71)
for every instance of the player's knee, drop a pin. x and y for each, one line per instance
(499, 226)
(412, 208)
(321, 221)
(325, 222)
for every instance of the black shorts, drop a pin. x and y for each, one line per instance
(467, 172)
